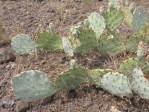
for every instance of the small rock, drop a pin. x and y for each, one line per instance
(93, 108)
(7, 102)
(21, 106)
(114, 109)
(6, 55)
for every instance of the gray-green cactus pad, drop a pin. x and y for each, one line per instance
(23, 44)
(140, 85)
(97, 23)
(32, 85)
(139, 18)
(116, 84)
(67, 46)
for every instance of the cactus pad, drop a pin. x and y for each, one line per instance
(140, 85)
(72, 79)
(85, 42)
(67, 46)
(139, 18)
(113, 18)
(96, 23)
(32, 85)
(96, 75)
(111, 46)
(116, 84)
(50, 41)
(23, 44)
(127, 67)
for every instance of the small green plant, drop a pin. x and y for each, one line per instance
(32, 85)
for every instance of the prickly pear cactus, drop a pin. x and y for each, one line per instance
(113, 18)
(85, 42)
(114, 3)
(96, 23)
(23, 44)
(140, 18)
(128, 14)
(50, 41)
(132, 43)
(141, 51)
(75, 30)
(96, 75)
(72, 79)
(111, 47)
(67, 46)
(127, 67)
(140, 85)
(116, 84)
(32, 85)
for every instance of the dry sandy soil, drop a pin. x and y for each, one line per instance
(28, 16)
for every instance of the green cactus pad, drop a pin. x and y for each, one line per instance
(85, 42)
(96, 75)
(96, 23)
(111, 47)
(67, 46)
(32, 85)
(72, 79)
(113, 18)
(114, 3)
(23, 44)
(132, 43)
(116, 84)
(140, 85)
(127, 67)
(50, 41)
(140, 18)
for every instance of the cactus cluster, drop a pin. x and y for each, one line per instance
(98, 32)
